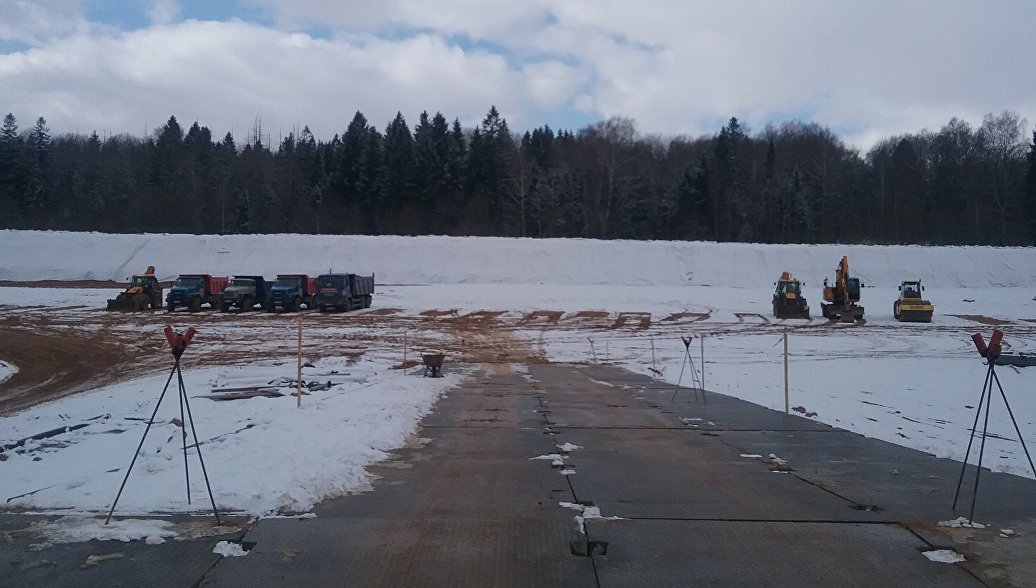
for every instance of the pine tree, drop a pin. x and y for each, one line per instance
(38, 188)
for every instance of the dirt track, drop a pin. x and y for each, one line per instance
(61, 351)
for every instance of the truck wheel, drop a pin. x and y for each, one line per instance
(224, 307)
(367, 301)
(170, 307)
(156, 300)
(195, 304)
(247, 304)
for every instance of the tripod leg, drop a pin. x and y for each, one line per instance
(678, 380)
(141, 444)
(1013, 421)
(971, 438)
(183, 431)
(981, 450)
(197, 445)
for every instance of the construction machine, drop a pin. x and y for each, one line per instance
(143, 291)
(787, 299)
(843, 296)
(911, 305)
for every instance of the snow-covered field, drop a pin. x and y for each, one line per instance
(620, 302)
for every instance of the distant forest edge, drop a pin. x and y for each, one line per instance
(791, 183)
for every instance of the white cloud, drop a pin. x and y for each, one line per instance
(226, 74)
(676, 67)
(163, 11)
(34, 22)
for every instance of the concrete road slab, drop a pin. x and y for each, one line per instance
(723, 553)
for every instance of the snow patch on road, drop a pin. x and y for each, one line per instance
(230, 549)
(944, 556)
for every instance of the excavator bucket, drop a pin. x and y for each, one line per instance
(128, 302)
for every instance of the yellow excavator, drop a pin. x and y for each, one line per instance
(143, 291)
(787, 298)
(843, 296)
(911, 305)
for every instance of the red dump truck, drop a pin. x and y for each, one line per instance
(193, 290)
(291, 291)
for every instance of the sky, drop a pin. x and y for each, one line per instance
(867, 70)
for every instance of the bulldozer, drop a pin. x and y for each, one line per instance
(787, 298)
(143, 291)
(843, 296)
(911, 305)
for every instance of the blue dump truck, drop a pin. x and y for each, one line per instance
(245, 292)
(193, 290)
(344, 291)
(291, 291)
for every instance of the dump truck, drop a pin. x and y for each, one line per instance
(911, 305)
(194, 290)
(788, 301)
(143, 290)
(341, 291)
(843, 296)
(291, 291)
(245, 292)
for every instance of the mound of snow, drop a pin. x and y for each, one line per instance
(38, 255)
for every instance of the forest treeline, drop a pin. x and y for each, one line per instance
(791, 183)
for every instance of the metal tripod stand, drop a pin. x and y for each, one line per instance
(991, 353)
(178, 344)
(688, 360)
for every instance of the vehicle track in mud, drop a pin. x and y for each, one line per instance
(64, 350)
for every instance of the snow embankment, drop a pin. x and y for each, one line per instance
(40, 255)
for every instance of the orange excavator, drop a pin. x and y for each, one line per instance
(143, 291)
(843, 296)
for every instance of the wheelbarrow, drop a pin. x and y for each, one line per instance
(432, 364)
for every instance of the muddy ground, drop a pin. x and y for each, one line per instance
(64, 350)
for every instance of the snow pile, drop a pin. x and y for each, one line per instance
(75, 529)
(261, 454)
(229, 549)
(944, 556)
(37, 255)
(6, 371)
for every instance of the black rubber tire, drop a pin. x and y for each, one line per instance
(224, 307)
(195, 304)
(247, 304)
(170, 307)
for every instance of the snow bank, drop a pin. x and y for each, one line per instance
(38, 255)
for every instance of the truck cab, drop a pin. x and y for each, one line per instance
(194, 290)
(245, 292)
(291, 291)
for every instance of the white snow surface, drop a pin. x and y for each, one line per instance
(262, 454)
(914, 385)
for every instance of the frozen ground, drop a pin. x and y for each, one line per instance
(915, 385)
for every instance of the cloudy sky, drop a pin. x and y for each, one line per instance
(867, 69)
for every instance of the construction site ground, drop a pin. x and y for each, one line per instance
(681, 499)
